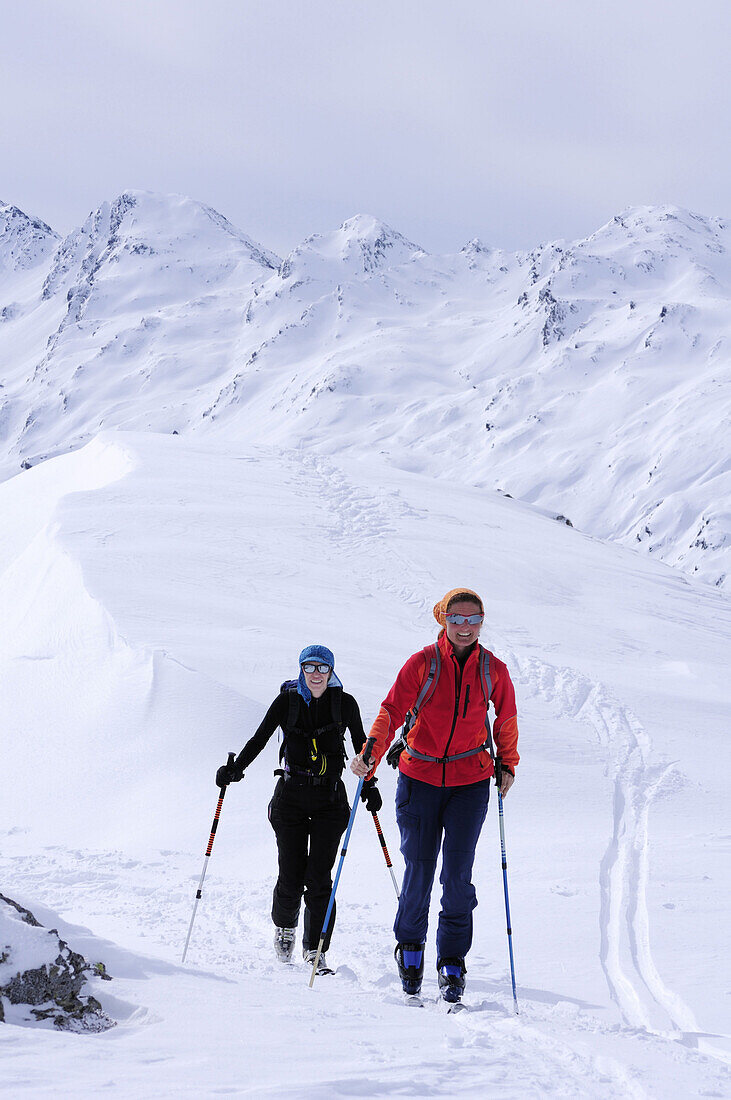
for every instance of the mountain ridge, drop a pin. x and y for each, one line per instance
(588, 376)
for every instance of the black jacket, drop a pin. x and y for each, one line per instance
(314, 743)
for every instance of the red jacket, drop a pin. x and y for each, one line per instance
(452, 720)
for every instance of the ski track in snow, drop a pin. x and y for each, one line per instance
(635, 985)
(546, 1051)
(360, 521)
(494, 1051)
(541, 1053)
(643, 999)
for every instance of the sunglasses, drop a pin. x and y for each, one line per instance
(311, 666)
(459, 620)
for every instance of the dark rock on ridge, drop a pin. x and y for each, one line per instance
(53, 990)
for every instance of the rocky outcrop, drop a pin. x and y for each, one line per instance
(41, 978)
(24, 241)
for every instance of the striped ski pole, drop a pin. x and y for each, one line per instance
(382, 839)
(366, 755)
(231, 758)
(507, 900)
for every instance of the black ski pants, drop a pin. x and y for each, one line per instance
(308, 822)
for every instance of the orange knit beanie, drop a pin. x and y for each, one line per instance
(440, 608)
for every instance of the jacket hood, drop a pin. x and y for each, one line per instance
(321, 653)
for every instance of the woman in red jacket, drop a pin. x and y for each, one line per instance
(444, 781)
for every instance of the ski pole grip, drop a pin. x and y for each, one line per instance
(368, 749)
(229, 764)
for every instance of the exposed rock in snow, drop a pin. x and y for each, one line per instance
(24, 241)
(170, 238)
(362, 246)
(41, 978)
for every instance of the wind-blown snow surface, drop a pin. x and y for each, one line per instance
(156, 590)
(587, 378)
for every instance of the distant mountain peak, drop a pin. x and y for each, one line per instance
(153, 213)
(475, 245)
(159, 208)
(24, 241)
(366, 227)
(667, 223)
(362, 245)
(147, 224)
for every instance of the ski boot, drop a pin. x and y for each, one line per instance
(410, 962)
(451, 979)
(284, 943)
(310, 956)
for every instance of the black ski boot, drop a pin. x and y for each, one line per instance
(451, 979)
(410, 962)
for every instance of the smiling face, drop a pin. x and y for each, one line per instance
(317, 682)
(464, 635)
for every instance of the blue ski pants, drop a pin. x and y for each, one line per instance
(430, 818)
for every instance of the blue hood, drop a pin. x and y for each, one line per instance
(316, 653)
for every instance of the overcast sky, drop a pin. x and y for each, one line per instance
(516, 121)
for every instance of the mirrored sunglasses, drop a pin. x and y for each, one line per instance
(459, 620)
(312, 666)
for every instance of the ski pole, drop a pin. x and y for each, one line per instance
(366, 754)
(507, 900)
(382, 839)
(231, 758)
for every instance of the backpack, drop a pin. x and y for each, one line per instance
(433, 655)
(318, 751)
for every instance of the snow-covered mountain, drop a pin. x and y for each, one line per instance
(25, 242)
(317, 444)
(588, 378)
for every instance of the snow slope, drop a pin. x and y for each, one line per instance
(156, 590)
(588, 378)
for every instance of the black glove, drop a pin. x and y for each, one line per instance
(370, 794)
(228, 773)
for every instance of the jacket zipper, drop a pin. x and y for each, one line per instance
(454, 723)
(466, 701)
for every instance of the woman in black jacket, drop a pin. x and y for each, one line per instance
(309, 809)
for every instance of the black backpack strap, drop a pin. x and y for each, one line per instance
(293, 704)
(289, 688)
(309, 742)
(294, 707)
(336, 706)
